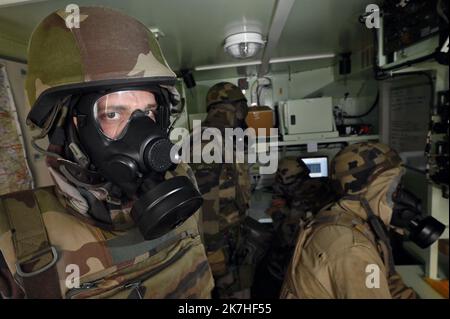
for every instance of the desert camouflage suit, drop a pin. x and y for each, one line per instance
(57, 226)
(335, 248)
(295, 197)
(226, 193)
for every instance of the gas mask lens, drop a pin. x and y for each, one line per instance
(113, 111)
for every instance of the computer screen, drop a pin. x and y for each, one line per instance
(318, 166)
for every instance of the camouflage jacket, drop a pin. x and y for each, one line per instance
(226, 193)
(111, 264)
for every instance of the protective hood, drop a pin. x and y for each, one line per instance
(378, 195)
(95, 203)
(85, 203)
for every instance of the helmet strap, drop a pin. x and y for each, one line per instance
(59, 111)
(73, 147)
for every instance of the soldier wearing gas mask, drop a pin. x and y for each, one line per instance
(122, 219)
(296, 196)
(226, 192)
(344, 243)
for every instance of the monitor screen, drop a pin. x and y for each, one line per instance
(318, 166)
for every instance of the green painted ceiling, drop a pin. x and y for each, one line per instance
(195, 29)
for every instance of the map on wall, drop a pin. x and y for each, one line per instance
(14, 172)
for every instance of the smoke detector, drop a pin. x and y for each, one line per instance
(243, 45)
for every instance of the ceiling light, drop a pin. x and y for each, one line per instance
(243, 45)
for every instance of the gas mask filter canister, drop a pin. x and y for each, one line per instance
(407, 214)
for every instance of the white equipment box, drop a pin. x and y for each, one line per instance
(307, 119)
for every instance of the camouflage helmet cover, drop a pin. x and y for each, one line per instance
(227, 93)
(291, 169)
(108, 48)
(355, 167)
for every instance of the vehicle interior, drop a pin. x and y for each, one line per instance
(318, 75)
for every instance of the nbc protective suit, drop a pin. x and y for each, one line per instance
(226, 191)
(339, 249)
(122, 219)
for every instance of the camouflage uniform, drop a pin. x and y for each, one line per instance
(226, 192)
(335, 247)
(49, 231)
(295, 197)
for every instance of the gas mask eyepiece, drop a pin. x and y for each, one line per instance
(407, 214)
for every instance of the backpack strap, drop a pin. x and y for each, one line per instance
(377, 226)
(363, 227)
(36, 257)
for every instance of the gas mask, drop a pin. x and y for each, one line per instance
(407, 214)
(124, 135)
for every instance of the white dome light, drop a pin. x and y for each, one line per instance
(243, 45)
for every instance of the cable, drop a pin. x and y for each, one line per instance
(259, 89)
(251, 91)
(407, 63)
(422, 73)
(375, 103)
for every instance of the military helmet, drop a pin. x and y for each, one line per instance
(108, 49)
(227, 93)
(291, 169)
(355, 167)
